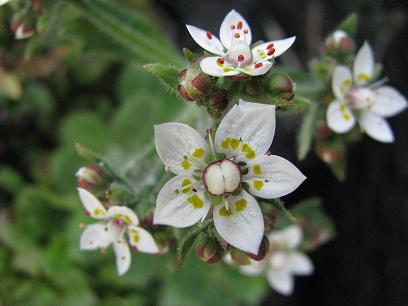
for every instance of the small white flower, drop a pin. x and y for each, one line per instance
(244, 136)
(23, 31)
(2, 2)
(236, 37)
(356, 99)
(118, 221)
(283, 260)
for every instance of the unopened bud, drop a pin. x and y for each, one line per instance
(329, 154)
(263, 249)
(339, 43)
(239, 257)
(194, 85)
(323, 131)
(20, 28)
(92, 178)
(219, 100)
(208, 250)
(281, 85)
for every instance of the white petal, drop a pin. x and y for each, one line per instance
(281, 281)
(181, 148)
(124, 213)
(242, 226)
(341, 81)
(299, 264)
(3, 2)
(289, 238)
(264, 51)
(142, 240)
(178, 205)
(246, 132)
(92, 205)
(254, 268)
(211, 66)
(123, 256)
(272, 176)
(376, 127)
(93, 237)
(22, 33)
(259, 68)
(388, 102)
(226, 31)
(206, 40)
(339, 117)
(364, 64)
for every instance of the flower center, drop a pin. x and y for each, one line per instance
(360, 98)
(222, 177)
(239, 53)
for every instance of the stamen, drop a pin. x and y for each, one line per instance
(271, 51)
(87, 213)
(270, 46)
(226, 204)
(220, 61)
(239, 25)
(258, 65)
(209, 35)
(214, 155)
(236, 35)
(232, 26)
(246, 31)
(240, 58)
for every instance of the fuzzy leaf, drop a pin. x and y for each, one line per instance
(306, 132)
(167, 74)
(296, 105)
(349, 25)
(87, 153)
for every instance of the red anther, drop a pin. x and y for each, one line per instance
(87, 213)
(270, 46)
(240, 58)
(271, 51)
(135, 248)
(236, 35)
(209, 35)
(118, 221)
(258, 65)
(232, 26)
(220, 61)
(239, 25)
(245, 31)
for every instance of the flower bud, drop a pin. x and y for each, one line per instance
(323, 131)
(208, 250)
(194, 85)
(329, 154)
(92, 178)
(20, 28)
(281, 85)
(239, 257)
(219, 100)
(338, 43)
(263, 249)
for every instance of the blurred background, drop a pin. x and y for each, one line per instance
(74, 84)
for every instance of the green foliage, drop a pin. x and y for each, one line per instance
(349, 25)
(167, 74)
(306, 132)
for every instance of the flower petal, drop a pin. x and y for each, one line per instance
(388, 102)
(281, 281)
(123, 213)
(93, 207)
(299, 264)
(141, 240)
(234, 23)
(3, 2)
(339, 117)
(341, 81)
(242, 225)
(181, 148)
(93, 237)
(272, 177)
(246, 132)
(216, 66)
(259, 68)
(179, 205)
(376, 127)
(364, 64)
(123, 256)
(289, 238)
(206, 40)
(272, 49)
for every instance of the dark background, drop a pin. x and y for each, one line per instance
(367, 263)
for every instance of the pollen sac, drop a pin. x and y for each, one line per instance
(208, 249)
(339, 43)
(194, 85)
(222, 177)
(281, 85)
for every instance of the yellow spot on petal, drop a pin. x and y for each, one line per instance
(98, 212)
(224, 212)
(186, 164)
(363, 77)
(185, 182)
(198, 153)
(187, 190)
(135, 236)
(241, 204)
(346, 117)
(250, 154)
(344, 85)
(257, 169)
(234, 143)
(229, 69)
(258, 184)
(225, 143)
(196, 201)
(123, 217)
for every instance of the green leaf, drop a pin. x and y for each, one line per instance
(167, 74)
(10, 179)
(87, 153)
(190, 56)
(349, 25)
(306, 132)
(296, 105)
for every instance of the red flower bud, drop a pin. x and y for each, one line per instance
(281, 85)
(208, 250)
(194, 85)
(339, 43)
(92, 178)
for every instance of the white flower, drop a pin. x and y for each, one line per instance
(2, 2)
(283, 260)
(355, 99)
(118, 221)
(244, 136)
(236, 37)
